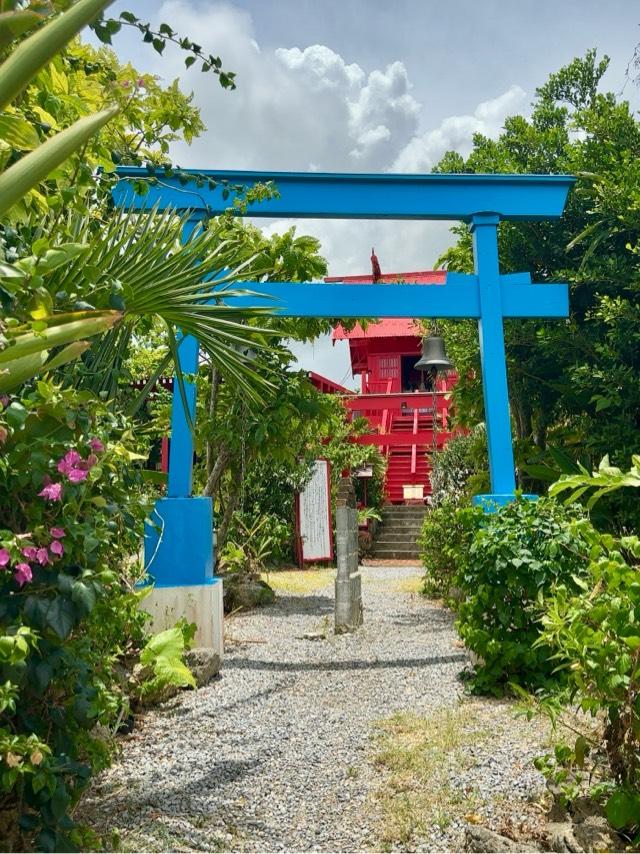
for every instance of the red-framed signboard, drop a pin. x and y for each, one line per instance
(314, 528)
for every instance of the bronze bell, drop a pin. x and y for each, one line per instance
(434, 357)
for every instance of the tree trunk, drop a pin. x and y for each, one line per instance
(217, 470)
(213, 400)
(223, 530)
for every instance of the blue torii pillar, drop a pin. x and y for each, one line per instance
(181, 557)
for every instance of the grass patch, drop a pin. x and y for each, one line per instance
(416, 755)
(413, 584)
(301, 581)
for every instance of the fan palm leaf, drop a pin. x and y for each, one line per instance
(149, 265)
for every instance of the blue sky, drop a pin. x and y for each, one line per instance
(366, 85)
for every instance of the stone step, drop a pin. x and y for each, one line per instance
(396, 544)
(403, 511)
(397, 554)
(403, 526)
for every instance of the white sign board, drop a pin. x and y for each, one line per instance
(314, 515)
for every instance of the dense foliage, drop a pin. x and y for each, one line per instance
(445, 542)
(71, 515)
(594, 635)
(516, 560)
(459, 470)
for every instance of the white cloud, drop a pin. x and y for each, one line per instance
(455, 133)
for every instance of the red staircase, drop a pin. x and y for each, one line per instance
(409, 464)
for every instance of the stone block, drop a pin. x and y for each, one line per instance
(201, 604)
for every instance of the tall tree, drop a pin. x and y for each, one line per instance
(574, 383)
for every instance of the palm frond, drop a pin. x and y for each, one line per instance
(141, 262)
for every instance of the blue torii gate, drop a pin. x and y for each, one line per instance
(183, 555)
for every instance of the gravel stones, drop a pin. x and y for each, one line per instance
(275, 753)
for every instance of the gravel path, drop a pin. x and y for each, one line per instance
(276, 753)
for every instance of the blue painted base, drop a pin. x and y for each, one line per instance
(179, 542)
(491, 503)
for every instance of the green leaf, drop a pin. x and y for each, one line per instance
(168, 643)
(36, 51)
(24, 343)
(18, 132)
(59, 255)
(15, 23)
(83, 595)
(18, 371)
(621, 809)
(18, 179)
(61, 616)
(16, 415)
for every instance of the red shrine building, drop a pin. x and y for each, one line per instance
(407, 411)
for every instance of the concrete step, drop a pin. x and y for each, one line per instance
(387, 543)
(405, 510)
(405, 533)
(402, 518)
(397, 554)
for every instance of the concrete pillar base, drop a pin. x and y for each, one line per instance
(492, 502)
(348, 603)
(197, 603)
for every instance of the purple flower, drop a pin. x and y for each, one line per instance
(30, 552)
(5, 557)
(42, 556)
(76, 475)
(57, 533)
(23, 573)
(96, 445)
(56, 548)
(51, 491)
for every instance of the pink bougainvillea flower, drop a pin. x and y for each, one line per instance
(5, 557)
(56, 548)
(51, 491)
(30, 552)
(57, 533)
(3, 435)
(91, 461)
(42, 556)
(69, 462)
(23, 573)
(96, 445)
(76, 475)
(4, 400)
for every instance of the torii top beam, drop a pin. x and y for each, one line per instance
(324, 195)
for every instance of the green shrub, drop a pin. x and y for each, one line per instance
(444, 542)
(70, 519)
(593, 632)
(516, 560)
(460, 468)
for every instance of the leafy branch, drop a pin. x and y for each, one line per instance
(106, 28)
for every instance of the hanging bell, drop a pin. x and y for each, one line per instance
(434, 356)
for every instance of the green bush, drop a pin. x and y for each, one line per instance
(444, 542)
(70, 518)
(592, 628)
(517, 558)
(460, 468)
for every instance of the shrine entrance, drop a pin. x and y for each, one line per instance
(178, 550)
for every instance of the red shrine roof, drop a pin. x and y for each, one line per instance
(391, 327)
